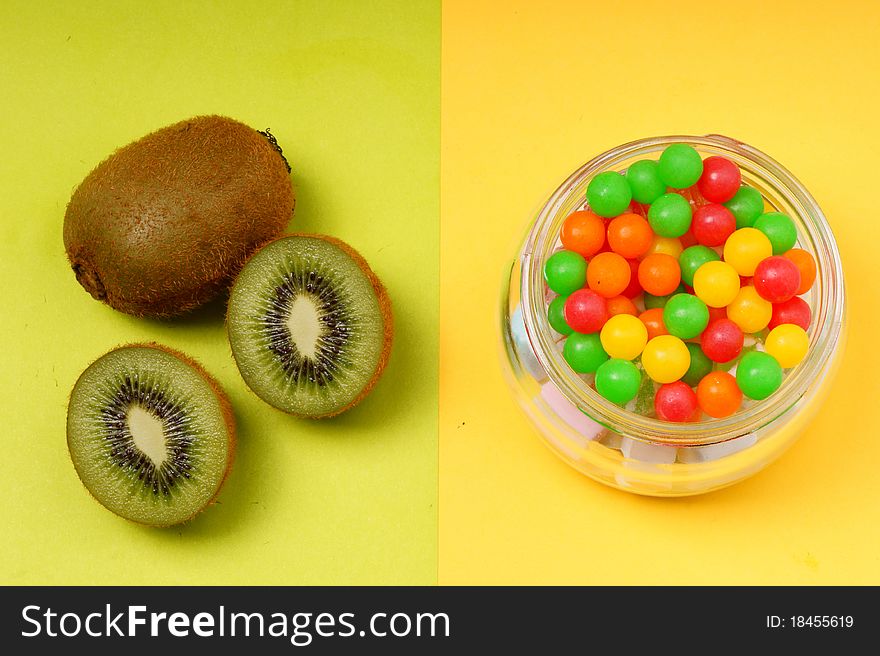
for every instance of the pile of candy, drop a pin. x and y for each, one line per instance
(675, 271)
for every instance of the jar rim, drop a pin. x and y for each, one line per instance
(828, 307)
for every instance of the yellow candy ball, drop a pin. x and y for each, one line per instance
(745, 248)
(787, 343)
(716, 283)
(624, 336)
(749, 311)
(666, 359)
(668, 245)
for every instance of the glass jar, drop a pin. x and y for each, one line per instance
(641, 454)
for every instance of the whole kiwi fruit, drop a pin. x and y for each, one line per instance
(150, 433)
(165, 223)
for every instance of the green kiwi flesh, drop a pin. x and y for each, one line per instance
(150, 434)
(165, 223)
(310, 325)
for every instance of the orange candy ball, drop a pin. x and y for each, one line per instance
(583, 232)
(630, 235)
(659, 274)
(621, 305)
(653, 320)
(608, 274)
(718, 395)
(806, 265)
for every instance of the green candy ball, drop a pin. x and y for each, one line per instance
(779, 229)
(618, 381)
(670, 215)
(692, 258)
(652, 302)
(584, 353)
(556, 316)
(645, 182)
(680, 166)
(746, 206)
(758, 375)
(685, 316)
(609, 194)
(699, 367)
(565, 272)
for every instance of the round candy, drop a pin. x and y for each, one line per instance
(795, 310)
(745, 248)
(699, 367)
(621, 305)
(645, 182)
(806, 266)
(675, 402)
(584, 353)
(556, 316)
(653, 320)
(634, 288)
(712, 224)
(652, 301)
(630, 235)
(583, 232)
(716, 284)
(659, 274)
(618, 381)
(720, 180)
(670, 215)
(749, 311)
(758, 375)
(666, 359)
(624, 336)
(685, 316)
(692, 258)
(585, 311)
(565, 271)
(608, 274)
(680, 166)
(718, 394)
(746, 205)
(667, 245)
(779, 229)
(609, 194)
(722, 341)
(777, 279)
(787, 343)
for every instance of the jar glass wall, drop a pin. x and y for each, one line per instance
(641, 454)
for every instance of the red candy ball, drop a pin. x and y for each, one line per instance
(634, 288)
(716, 313)
(776, 279)
(713, 224)
(722, 340)
(675, 402)
(585, 311)
(720, 180)
(795, 310)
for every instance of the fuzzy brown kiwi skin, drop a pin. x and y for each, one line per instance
(225, 410)
(384, 307)
(165, 223)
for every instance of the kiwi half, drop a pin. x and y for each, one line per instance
(150, 433)
(310, 325)
(165, 223)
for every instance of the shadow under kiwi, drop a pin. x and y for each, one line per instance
(212, 313)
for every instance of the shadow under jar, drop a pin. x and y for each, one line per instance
(642, 454)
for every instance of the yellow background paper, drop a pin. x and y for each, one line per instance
(530, 92)
(351, 91)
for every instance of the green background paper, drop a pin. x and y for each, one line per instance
(351, 91)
